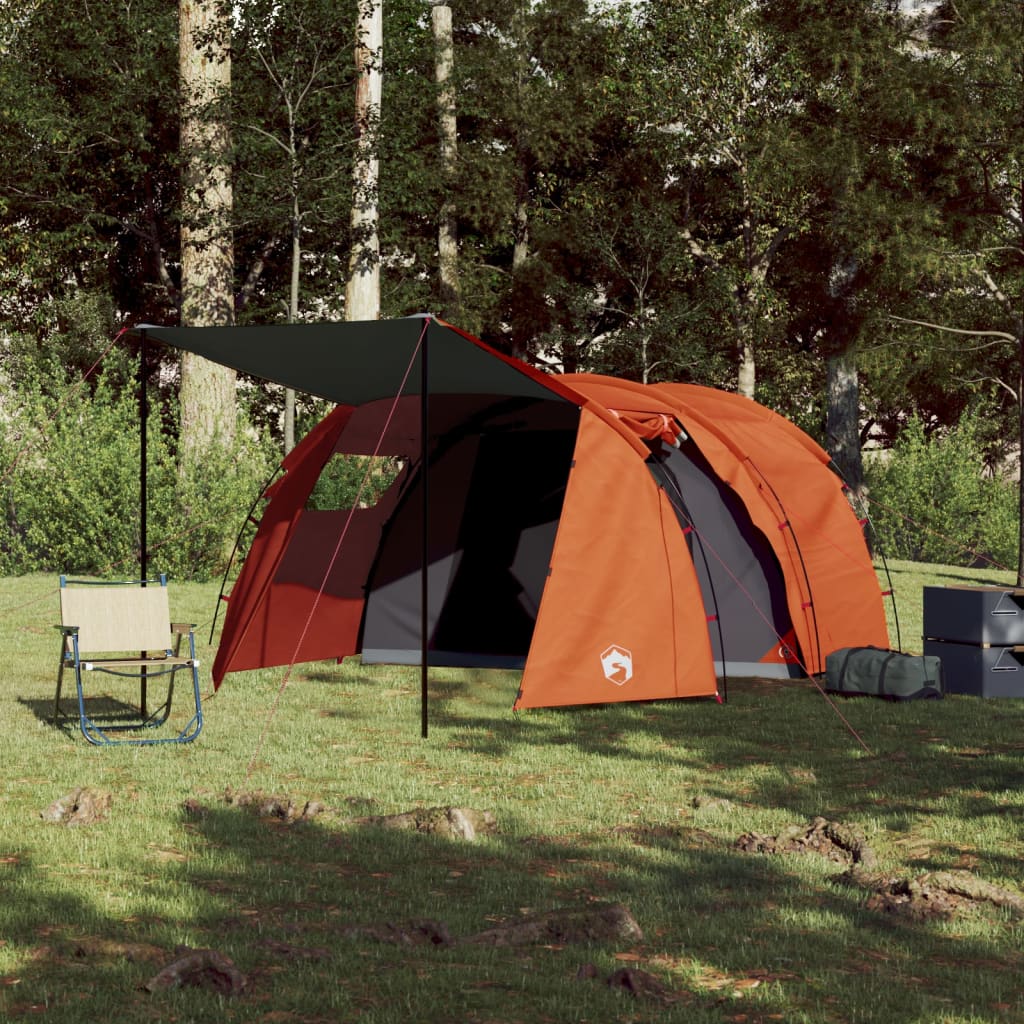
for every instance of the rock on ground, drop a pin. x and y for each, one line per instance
(82, 806)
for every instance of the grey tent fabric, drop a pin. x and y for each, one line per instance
(490, 548)
(354, 362)
(740, 579)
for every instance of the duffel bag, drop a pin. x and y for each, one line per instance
(874, 672)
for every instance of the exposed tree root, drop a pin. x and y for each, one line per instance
(831, 839)
(199, 968)
(937, 894)
(601, 922)
(454, 822)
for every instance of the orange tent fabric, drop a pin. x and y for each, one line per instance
(613, 624)
(833, 590)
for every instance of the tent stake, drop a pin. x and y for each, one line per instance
(425, 566)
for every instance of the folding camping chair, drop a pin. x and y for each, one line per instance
(124, 629)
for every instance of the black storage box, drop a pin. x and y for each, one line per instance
(980, 670)
(974, 615)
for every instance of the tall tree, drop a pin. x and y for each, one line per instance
(292, 81)
(860, 106)
(362, 293)
(528, 129)
(723, 129)
(207, 251)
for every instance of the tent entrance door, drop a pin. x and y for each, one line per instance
(495, 501)
(740, 578)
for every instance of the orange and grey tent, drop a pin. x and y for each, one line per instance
(613, 541)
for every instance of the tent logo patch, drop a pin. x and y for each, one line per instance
(617, 663)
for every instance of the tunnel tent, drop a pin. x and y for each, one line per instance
(614, 541)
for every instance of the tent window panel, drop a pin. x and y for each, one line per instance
(349, 481)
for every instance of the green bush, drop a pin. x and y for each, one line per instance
(196, 511)
(71, 490)
(350, 479)
(933, 501)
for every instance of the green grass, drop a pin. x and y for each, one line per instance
(592, 804)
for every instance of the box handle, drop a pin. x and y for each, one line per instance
(1014, 656)
(1008, 603)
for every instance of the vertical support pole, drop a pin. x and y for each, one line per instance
(143, 430)
(143, 491)
(425, 566)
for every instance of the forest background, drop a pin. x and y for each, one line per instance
(816, 203)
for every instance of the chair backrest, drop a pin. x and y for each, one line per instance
(117, 618)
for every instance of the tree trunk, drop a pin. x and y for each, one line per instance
(207, 257)
(746, 378)
(746, 360)
(522, 325)
(447, 231)
(362, 293)
(1020, 452)
(293, 299)
(842, 419)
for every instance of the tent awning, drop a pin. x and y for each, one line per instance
(354, 362)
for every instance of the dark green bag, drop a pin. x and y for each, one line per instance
(872, 672)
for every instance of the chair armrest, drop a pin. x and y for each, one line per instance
(182, 628)
(68, 630)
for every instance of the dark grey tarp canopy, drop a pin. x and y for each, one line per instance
(353, 362)
(357, 362)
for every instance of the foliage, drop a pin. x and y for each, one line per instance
(71, 490)
(293, 134)
(197, 510)
(934, 501)
(671, 190)
(353, 480)
(88, 139)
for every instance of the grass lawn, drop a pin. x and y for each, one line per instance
(639, 804)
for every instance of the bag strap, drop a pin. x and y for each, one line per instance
(842, 668)
(886, 662)
(924, 671)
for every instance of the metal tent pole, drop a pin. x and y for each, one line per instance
(143, 424)
(425, 564)
(143, 491)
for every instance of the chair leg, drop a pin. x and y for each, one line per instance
(92, 732)
(60, 679)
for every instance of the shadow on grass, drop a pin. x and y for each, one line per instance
(946, 575)
(809, 753)
(736, 934)
(109, 713)
(104, 709)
